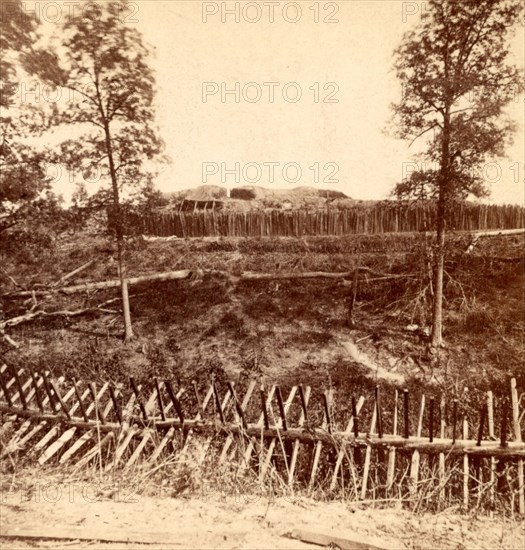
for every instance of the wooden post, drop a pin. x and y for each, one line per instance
(238, 407)
(264, 406)
(352, 425)
(482, 415)
(282, 411)
(200, 406)
(504, 422)
(174, 400)
(273, 441)
(465, 466)
(116, 405)
(20, 388)
(98, 410)
(431, 420)
(517, 437)
(441, 466)
(37, 391)
(304, 403)
(159, 400)
(490, 416)
(454, 420)
(414, 463)
(378, 409)
(218, 401)
(136, 391)
(392, 452)
(305, 397)
(60, 400)
(326, 403)
(368, 456)
(48, 392)
(405, 412)
(5, 389)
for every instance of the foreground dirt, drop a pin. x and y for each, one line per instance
(84, 514)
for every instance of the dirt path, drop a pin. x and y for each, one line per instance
(226, 521)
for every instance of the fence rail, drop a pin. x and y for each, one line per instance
(302, 438)
(383, 218)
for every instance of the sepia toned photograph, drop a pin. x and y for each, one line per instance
(262, 274)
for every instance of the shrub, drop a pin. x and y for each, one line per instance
(242, 193)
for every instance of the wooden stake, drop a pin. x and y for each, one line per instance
(159, 399)
(454, 420)
(414, 463)
(368, 456)
(517, 437)
(392, 452)
(282, 411)
(240, 408)
(116, 404)
(139, 399)
(98, 411)
(349, 428)
(431, 420)
(20, 389)
(490, 414)
(441, 466)
(217, 400)
(405, 412)
(60, 400)
(262, 423)
(305, 397)
(7, 394)
(378, 412)
(176, 403)
(37, 390)
(465, 467)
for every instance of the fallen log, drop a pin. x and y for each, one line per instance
(9, 340)
(115, 283)
(351, 541)
(119, 535)
(64, 313)
(71, 274)
(193, 274)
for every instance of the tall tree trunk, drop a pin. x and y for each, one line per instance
(443, 198)
(119, 233)
(437, 310)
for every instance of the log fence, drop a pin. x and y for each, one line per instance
(382, 218)
(359, 448)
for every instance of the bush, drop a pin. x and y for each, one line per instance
(243, 194)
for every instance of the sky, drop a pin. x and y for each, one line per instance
(328, 66)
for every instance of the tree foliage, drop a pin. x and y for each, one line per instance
(456, 82)
(103, 64)
(23, 175)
